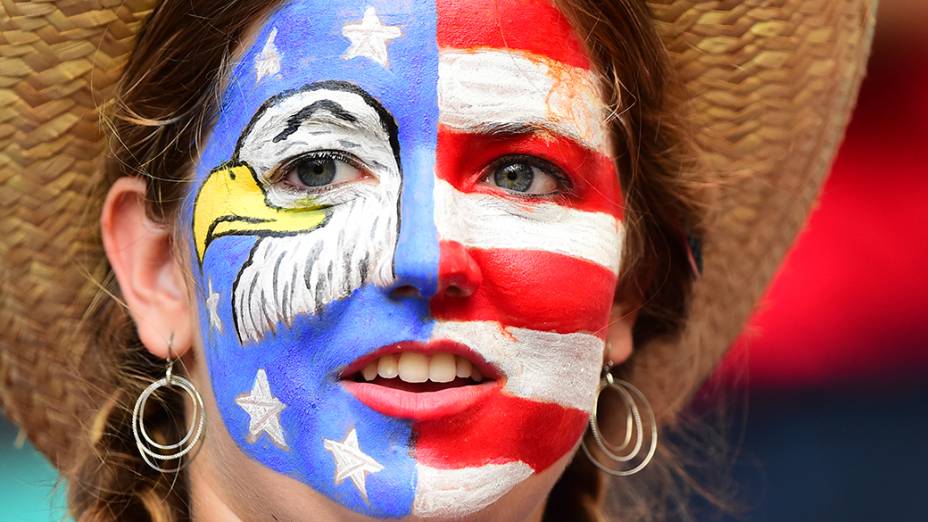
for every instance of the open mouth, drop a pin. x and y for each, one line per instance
(420, 381)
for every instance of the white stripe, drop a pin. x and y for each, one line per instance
(454, 493)
(542, 366)
(486, 221)
(483, 87)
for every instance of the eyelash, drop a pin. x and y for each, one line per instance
(565, 186)
(280, 171)
(564, 191)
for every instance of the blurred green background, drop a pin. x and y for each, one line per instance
(29, 488)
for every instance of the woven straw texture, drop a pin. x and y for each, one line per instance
(772, 85)
(58, 62)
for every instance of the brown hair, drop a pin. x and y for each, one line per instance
(167, 99)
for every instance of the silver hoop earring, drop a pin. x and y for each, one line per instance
(622, 454)
(154, 453)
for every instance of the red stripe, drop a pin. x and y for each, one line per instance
(535, 26)
(463, 160)
(524, 288)
(499, 430)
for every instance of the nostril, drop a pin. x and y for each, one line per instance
(455, 291)
(457, 286)
(405, 292)
(458, 274)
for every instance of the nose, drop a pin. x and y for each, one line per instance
(458, 272)
(459, 276)
(416, 259)
(415, 277)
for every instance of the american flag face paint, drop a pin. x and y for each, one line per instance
(390, 178)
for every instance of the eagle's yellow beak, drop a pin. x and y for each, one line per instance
(231, 202)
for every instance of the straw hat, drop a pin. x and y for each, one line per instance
(772, 84)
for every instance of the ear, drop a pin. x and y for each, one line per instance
(619, 333)
(152, 281)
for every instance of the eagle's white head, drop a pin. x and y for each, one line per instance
(317, 244)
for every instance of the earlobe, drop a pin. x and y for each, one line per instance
(141, 253)
(619, 334)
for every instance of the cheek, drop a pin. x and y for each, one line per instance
(546, 279)
(555, 296)
(537, 290)
(504, 430)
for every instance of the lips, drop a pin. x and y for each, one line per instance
(421, 381)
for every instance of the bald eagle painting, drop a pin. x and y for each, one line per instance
(389, 186)
(314, 246)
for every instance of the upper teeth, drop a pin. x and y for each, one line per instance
(419, 367)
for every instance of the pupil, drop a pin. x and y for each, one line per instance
(316, 172)
(517, 177)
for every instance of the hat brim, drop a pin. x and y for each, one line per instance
(771, 90)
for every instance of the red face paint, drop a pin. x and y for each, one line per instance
(537, 266)
(458, 153)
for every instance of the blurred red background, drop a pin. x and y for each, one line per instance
(828, 420)
(834, 365)
(851, 301)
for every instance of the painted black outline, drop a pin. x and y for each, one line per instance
(296, 120)
(210, 237)
(389, 126)
(387, 122)
(386, 119)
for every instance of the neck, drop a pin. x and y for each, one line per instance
(205, 501)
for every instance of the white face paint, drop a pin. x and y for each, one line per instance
(484, 221)
(268, 62)
(393, 183)
(478, 89)
(299, 274)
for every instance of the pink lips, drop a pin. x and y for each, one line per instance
(422, 401)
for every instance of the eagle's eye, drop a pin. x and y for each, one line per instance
(524, 175)
(319, 170)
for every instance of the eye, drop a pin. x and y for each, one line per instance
(526, 175)
(321, 169)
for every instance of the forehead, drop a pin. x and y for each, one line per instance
(533, 26)
(477, 61)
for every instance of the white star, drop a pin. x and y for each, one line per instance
(267, 63)
(264, 410)
(351, 462)
(369, 38)
(212, 304)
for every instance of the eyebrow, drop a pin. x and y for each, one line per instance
(297, 119)
(386, 120)
(503, 128)
(479, 87)
(514, 129)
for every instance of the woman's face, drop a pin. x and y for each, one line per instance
(406, 229)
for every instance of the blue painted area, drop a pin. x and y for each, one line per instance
(302, 360)
(416, 259)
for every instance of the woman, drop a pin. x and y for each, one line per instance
(386, 248)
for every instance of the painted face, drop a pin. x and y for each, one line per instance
(406, 229)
